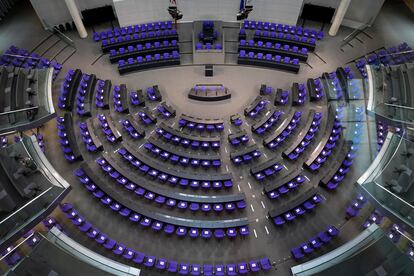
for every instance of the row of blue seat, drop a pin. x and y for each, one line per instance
(180, 159)
(311, 42)
(269, 26)
(307, 139)
(275, 142)
(111, 134)
(291, 185)
(140, 47)
(191, 125)
(314, 243)
(165, 174)
(170, 202)
(139, 36)
(194, 142)
(277, 46)
(161, 264)
(327, 149)
(132, 130)
(23, 58)
(297, 211)
(157, 225)
(152, 26)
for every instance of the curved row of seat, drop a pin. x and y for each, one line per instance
(238, 138)
(399, 54)
(199, 124)
(245, 155)
(84, 95)
(168, 152)
(323, 238)
(305, 137)
(150, 61)
(274, 49)
(120, 98)
(325, 147)
(146, 116)
(137, 37)
(148, 48)
(138, 28)
(267, 122)
(316, 90)
(23, 58)
(67, 138)
(160, 264)
(166, 110)
(283, 131)
(268, 60)
(132, 128)
(152, 169)
(302, 204)
(269, 26)
(256, 107)
(103, 89)
(283, 38)
(177, 137)
(266, 169)
(288, 183)
(147, 217)
(69, 88)
(164, 196)
(91, 141)
(356, 205)
(108, 128)
(299, 93)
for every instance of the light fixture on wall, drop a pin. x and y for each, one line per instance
(175, 13)
(245, 8)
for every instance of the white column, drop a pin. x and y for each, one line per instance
(74, 12)
(339, 16)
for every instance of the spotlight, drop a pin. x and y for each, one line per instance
(175, 13)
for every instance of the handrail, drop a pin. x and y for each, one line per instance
(399, 53)
(356, 32)
(20, 56)
(399, 106)
(19, 110)
(364, 239)
(57, 32)
(20, 243)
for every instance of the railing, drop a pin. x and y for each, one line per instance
(64, 37)
(356, 32)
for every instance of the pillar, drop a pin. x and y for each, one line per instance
(339, 16)
(74, 12)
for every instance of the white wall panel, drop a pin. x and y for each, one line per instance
(360, 12)
(55, 12)
(281, 11)
(131, 12)
(51, 12)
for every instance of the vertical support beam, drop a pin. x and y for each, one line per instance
(339, 16)
(74, 12)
